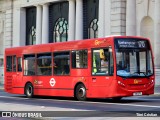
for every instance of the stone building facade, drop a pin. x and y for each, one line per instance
(27, 22)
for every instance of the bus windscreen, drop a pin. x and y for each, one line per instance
(133, 58)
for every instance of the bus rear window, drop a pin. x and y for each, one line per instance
(9, 64)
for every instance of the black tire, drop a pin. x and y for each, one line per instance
(80, 92)
(29, 90)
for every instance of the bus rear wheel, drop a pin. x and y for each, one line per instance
(29, 90)
(80, 92)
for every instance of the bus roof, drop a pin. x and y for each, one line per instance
(69, 45)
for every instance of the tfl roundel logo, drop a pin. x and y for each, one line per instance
(52, 82)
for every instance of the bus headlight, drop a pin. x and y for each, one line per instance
(120, 83)
(151, 82)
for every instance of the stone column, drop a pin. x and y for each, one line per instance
(107, 15)
(79, 19)
(157, 40)
(45, 24)
(118, 17)
(101, 28)
(22, 27)
(131, 17)
(19, 27)
(71, 31)
(39, 25)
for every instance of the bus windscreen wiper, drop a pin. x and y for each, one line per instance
(140, 73)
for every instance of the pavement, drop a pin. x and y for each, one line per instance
(1, 86)
(156, 90)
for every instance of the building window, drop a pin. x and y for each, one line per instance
(60, 33)
(90, 18)
(58, 21)
(93, 29)
(30, 25)
(32, 35)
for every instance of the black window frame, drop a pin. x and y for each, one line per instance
(19, 65)
(90, 13)
(31, 25)
(14, 63)
(57, 10)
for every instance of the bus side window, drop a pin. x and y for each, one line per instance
(61, 63)
(79, 59)
(44, 62)
(29, 65)
(19, 61)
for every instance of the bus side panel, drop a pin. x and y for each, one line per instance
(54, 92)
(8, 78)
(125, 92)
(8, 81)
(16, 90)
(51, 85)
(18, 84)
(128, 88)
(103, 87)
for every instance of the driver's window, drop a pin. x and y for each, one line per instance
(102, 61)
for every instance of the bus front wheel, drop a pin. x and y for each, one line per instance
(80, 92)
(29, 90)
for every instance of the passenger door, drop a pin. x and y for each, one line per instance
(19, 73)
(102, 71)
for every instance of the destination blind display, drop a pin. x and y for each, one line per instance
(131, 43)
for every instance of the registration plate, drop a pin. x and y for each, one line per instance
(137, 93)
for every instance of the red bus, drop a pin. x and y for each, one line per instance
(111, 67)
